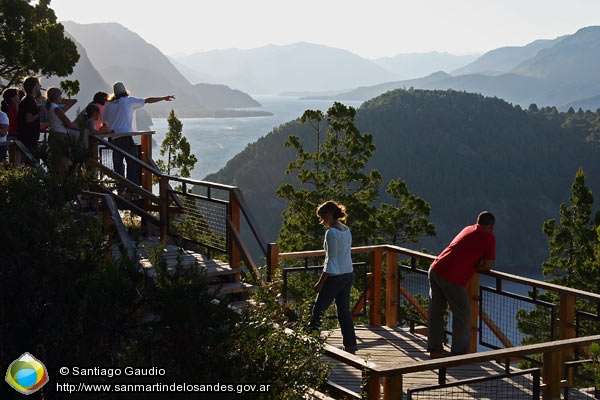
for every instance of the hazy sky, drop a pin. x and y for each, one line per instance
(369, 28)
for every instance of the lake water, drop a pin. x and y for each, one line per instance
(215, 141)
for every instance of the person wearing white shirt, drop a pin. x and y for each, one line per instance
(336, 280)
(119, 115)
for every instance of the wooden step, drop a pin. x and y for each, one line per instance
(240, 306)
(189, 259)
(230, 288)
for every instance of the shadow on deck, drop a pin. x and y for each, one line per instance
(387, 346)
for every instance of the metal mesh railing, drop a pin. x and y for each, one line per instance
(586, 323)
(106, 159)
(203, 221)
(514, 386)
(583, 381)
(298, 282)
(415, 283)
(499, 323)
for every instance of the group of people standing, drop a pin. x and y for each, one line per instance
(21, 117)
(472, 250)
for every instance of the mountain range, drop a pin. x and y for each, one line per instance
(110, 52)
(562, 72)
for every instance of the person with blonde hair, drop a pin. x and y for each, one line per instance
(58, 122)
(335, 282)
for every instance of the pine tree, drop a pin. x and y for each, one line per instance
(177, 148)
(573, 261)
(334, 171)
(572, 243)
(405, 220)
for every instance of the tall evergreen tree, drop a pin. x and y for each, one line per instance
(177, 148)
(336, 170)
(405, 220)
(573, 262)
(572, 242)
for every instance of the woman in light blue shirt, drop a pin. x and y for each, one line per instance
(336, 280)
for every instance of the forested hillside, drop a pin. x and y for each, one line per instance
(462, 153)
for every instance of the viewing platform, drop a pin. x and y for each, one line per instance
(390, 293)
(392, 348)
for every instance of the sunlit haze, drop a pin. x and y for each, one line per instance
(371, 29)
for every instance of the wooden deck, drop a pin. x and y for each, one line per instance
(387, 346)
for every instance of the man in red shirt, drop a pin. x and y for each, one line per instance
(472, 250)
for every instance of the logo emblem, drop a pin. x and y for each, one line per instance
(27, 374)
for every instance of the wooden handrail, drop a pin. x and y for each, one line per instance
(543, 285)
(474, 358)
(236, 199)
(556, 353)
(127, 155)
(240, 243)
(112, 214)
(429, 257)
(394, 372)
(254, 227)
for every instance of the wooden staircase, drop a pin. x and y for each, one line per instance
(223, 278)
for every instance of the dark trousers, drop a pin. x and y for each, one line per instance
(441, 295)
(336, 287)
(134, 173)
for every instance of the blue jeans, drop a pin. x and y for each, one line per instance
(336, 287)
(441, 294)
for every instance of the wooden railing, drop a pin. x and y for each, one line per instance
(162, 199)
(384, 261)
(159, 203)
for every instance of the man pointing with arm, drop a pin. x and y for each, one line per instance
(119, 115)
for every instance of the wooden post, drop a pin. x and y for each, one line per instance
(473, 293)
(235, 254)
(392, 387)
(566, 328)
(391, 285)
(372, 386)
(146, 156)
(376, 259)
(272, 260)
(551, 373)
(163, 184)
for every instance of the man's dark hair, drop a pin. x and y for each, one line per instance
(29, 83)
(486, 218)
